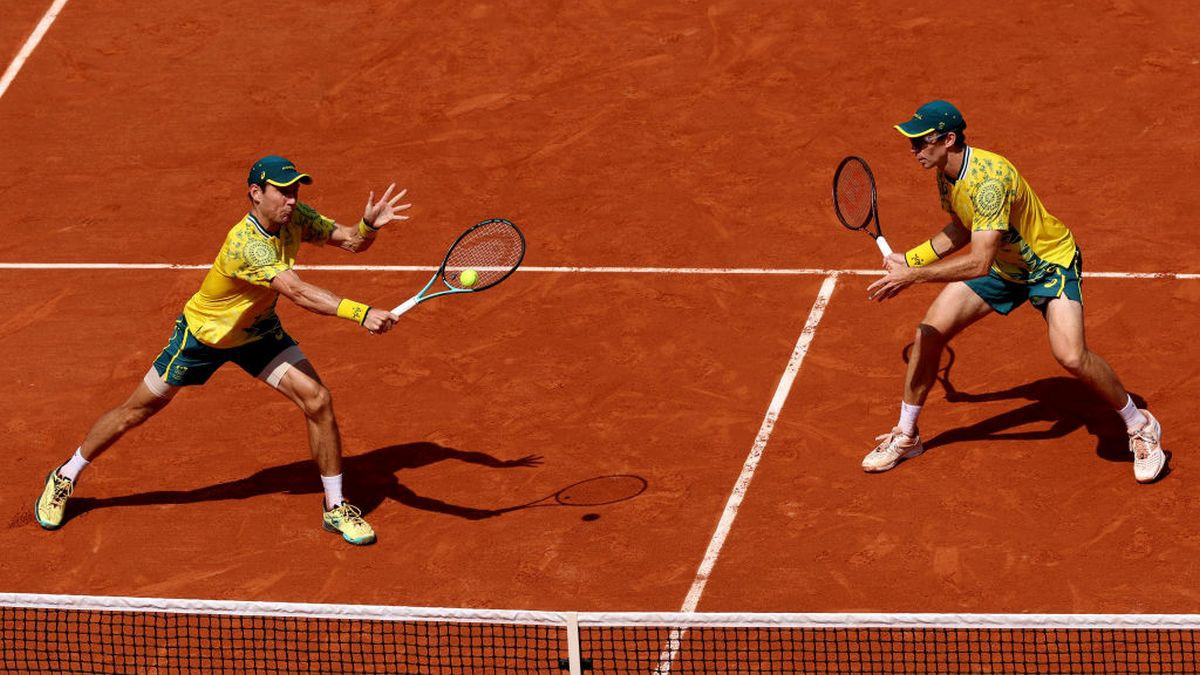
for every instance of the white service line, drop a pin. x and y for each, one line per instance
(34, 38)
(667, 655)
(735, 271)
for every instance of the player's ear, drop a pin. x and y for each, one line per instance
(255, 193)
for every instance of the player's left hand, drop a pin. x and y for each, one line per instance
(899, 277)
(380, 213)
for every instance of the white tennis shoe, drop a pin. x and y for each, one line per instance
(1146, 446)
(894, 447)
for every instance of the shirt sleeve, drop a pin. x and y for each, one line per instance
(314, 227)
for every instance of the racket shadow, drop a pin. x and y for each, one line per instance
(1064, 403)
(597, 491)
(370, 480)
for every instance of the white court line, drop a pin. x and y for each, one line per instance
(667, 655)
(34, 38)
(798, 271)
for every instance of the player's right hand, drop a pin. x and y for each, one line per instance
(379, 320)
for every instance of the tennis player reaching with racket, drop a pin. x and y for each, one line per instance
(232, 319)
(1018, 252)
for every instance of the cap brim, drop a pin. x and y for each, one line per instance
(301, 177)
(915, 128)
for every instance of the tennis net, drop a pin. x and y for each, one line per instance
(94, 634)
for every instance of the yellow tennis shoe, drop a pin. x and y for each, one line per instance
(52, 505)
(347, 519)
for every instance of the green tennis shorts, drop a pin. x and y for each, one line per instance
(187, 361)
(1004, 296)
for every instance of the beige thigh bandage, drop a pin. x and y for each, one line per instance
(155, 384)
(274, 371)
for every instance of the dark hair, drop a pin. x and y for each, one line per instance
(960, 137)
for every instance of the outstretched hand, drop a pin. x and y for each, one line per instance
(380, 213)
(899, 276)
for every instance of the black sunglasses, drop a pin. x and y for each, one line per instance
(919, 143)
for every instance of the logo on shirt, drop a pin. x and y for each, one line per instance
(259, 253)
(989, 198)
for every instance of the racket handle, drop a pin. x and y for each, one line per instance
(883, 246)
(408, 304)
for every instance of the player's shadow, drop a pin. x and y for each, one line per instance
(370, 479)
(1057, 406)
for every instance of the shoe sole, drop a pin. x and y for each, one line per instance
(916, 452)
(361, 541)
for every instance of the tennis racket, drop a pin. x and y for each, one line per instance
(854, 200)
(492, 248)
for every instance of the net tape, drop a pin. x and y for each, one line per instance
(40, 633)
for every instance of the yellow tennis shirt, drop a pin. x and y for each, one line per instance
(989, 194)
(236, 303)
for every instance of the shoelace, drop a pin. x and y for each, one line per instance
(1142, 441)
(349, 513)
(62, 490)
(892, 438)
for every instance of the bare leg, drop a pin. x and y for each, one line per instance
(1064, 319)
(112, 425)
(955, 308)
(302, 385)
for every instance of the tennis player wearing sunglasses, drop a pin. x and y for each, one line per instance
(1018, 252)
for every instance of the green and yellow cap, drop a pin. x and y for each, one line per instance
(277, 171)
(935, 117)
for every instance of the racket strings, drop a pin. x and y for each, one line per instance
(493, 250)
(853, 192)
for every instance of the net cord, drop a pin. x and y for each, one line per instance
(600, 619)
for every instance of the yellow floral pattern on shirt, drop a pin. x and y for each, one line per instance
(992, 195)
(236, 303)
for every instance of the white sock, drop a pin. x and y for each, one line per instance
(908, 418)
(74, 466)
(333, 490)
(1134, 419)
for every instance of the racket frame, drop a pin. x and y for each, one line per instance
(872, 213)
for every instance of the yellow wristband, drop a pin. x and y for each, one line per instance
(355, 311)
(922, 255)
(366, 230)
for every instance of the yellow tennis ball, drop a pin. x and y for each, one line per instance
(468, 278)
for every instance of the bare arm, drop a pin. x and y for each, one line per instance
(974, 263)
(321, 301)
(359, 237)
(952, 238)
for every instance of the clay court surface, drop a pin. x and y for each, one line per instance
(644, 134)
